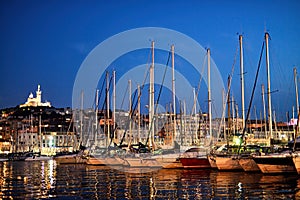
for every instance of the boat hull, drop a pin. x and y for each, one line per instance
(103, 161)
(296, 161)
(212, 162)
(143, 162)
(228, 163)
(275, 164)
(38, 158)
(172, 165)
(200, 163)
(70, 159)
(248, 165)
(17, 156)
(169, 161)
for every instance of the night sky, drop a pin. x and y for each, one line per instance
(45, 42)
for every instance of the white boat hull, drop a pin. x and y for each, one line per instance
(70, 159)
(143, 162)
(38, 158)
(104, 161)
(169, 161)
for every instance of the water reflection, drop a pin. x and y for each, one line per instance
(45, 179)
(27, 179)
(282, 186)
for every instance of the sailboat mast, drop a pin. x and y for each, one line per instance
(130, 112)
(81, 118)
(195, 104)
(195, 113)
(228, 108)
(114, 101)
(173, 92)
(224, 105)
(151, 97)
(264, 107)
(209, 93)
(139, 113)
(242, 80)
(236, 116)
(269, 85)
(96, 115)
(107, 105)
(296, 88)
(233, 113)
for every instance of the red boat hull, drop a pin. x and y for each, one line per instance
(195, 162)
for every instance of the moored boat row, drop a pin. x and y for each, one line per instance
(270, 163)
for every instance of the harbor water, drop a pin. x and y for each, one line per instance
(47, 180)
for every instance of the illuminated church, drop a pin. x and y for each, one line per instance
(35, 101)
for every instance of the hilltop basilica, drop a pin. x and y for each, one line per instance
(35, 101)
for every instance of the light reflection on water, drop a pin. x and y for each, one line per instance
(45, 179)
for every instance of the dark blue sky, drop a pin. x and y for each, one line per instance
(45, 42)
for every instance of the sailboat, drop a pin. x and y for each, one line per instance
(169, 158)
(296, 153)
(232, 158)
(225, 157)
(75, 157)
(198, 157)
(245, 159)
(164, 155)
(101, 154)
(275, 162)
(146, 160)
